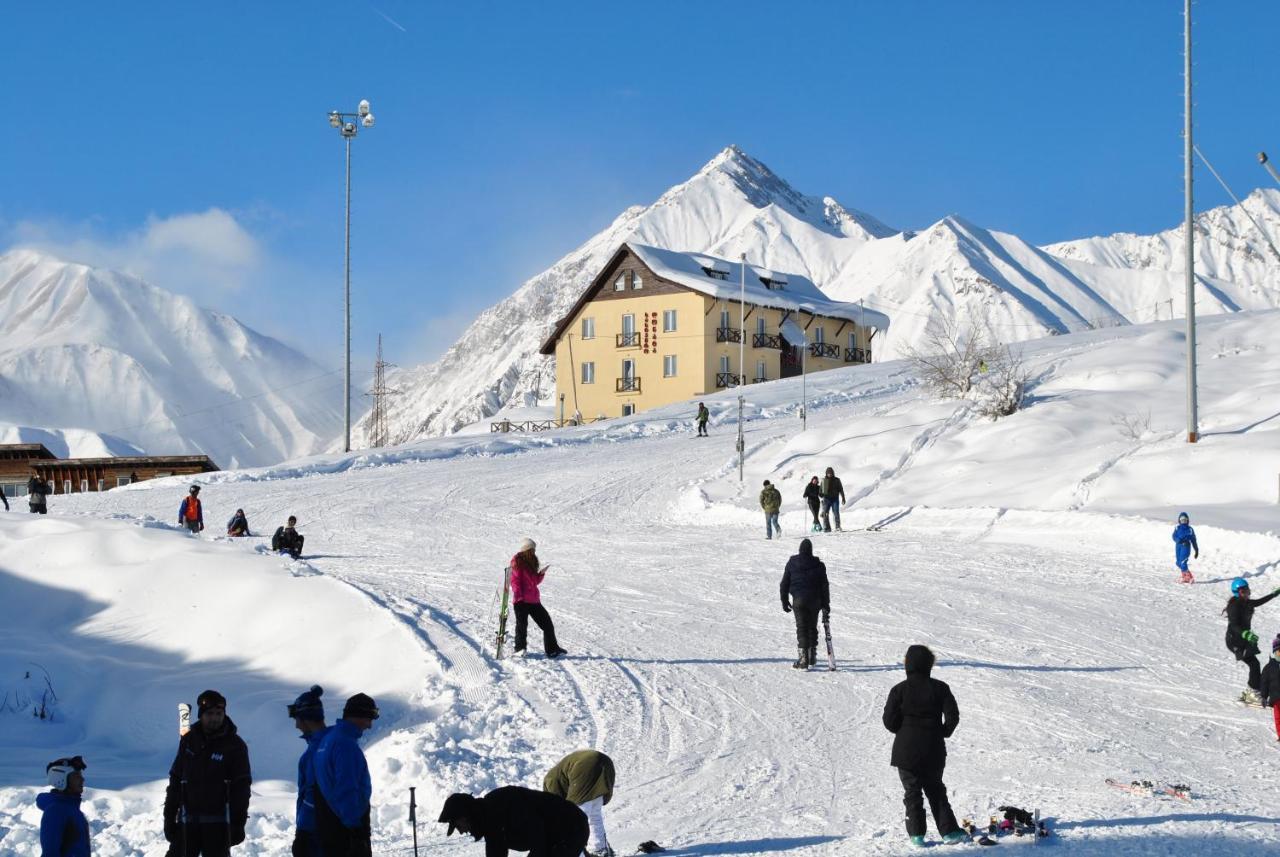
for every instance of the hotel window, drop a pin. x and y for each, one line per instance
(121, 481)
(668, 320)
(724, 364)
(636, 282)
(620, 284)
(66, 486)
(102, 485)
(724, 318)
(628, 410)
(588, 373)
(760, 376)
(853, 339)
(669, 366)
(588, 328)
(760, 324)
(84, 486)
(818, 336)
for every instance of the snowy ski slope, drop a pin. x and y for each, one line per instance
(1032, 553)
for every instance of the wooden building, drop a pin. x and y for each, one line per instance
(665, 326)
(18, 461)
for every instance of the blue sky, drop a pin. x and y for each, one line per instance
(189, 141)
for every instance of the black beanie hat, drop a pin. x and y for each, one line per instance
(308, 705)
(456, 806)
(209, 699)
(361, 705)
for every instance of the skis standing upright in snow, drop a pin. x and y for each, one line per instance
(502, 612)
(831, 652)
(184, 718)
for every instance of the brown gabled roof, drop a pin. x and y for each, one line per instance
(203, 461)
(37, 450)
(549, 344)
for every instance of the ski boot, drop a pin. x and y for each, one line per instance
(1251, 697)
(813, 656)
(918, 841)
(816, 528)
(955, 836)
(1187, 577)
(800, 663)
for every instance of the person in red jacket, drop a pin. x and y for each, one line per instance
(526, 574)
(190, 513)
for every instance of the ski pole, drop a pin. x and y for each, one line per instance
(413, 818)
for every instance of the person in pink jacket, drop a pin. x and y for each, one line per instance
(526, 574)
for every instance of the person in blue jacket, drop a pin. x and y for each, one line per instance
(343, 787)
(64, 832)
(1184, 540)
(307, 712)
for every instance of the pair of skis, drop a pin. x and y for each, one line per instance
(502, 613)
(1147, 788)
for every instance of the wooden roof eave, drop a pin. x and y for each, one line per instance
(549, 344)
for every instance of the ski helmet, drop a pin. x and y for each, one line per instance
(1238, 584)
(1183, 518)
(59, 769)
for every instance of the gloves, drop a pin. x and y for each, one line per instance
(786, 608)
(235, 834)
(1197, 553)
(1276, 591)
(1249, 637)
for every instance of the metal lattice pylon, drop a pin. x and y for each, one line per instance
(379, 431)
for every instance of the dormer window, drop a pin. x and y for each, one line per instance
(636, 282)
(713, 268)
(773, 282)
(714, 274)
(620, 284)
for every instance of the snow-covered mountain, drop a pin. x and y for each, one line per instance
(953, 269)
(95, 357)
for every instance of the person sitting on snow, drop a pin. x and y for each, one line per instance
(63, 828)
(238, 526)
(585, 778)
(287, 539)
(1184, 539)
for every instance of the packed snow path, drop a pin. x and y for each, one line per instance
(1071, 650)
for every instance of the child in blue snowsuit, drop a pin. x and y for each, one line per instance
(1184, 540)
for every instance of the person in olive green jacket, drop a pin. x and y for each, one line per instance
(771, 502)
(585, 778)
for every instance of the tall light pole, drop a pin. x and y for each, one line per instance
(1193, 421)
(347, 127)
(742, 357)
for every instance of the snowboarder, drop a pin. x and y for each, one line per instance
(1241, 640)
(526, 575)
(832, 498)
(238, 526)
(64, 832)
(1184, 540)
(805, 591)
(287, 539)
(813, 494)
(343, 788)
(206, 803)
(190, 512)
(921, 713)
(307, 712)
(513, 818)
(703, 416)
(36, 496)
(771, 503)
(585, 778)
(1269, 689)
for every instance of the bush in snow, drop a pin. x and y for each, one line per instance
(970, 360)
(31, 694)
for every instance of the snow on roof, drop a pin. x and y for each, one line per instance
(798, 293)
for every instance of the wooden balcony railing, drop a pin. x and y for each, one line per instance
(857, 355)
(727, 379)
(628, 340)
(824, 349)
(728, 334)
(538, 425)
(766, 340)
(628, 385)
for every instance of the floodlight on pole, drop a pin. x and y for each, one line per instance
(348, 129)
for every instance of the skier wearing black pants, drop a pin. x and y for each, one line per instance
(805, 591)
(1241, 639)
(526, 575)
(813, 495)
(921, 713)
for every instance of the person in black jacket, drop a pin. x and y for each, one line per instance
(36, 496)
(1241, 639)
(832, 498)
(513, 818)
(813, 494)
(921, 713)
(1270, 689)
(805, 591)
(287, 539)
(207, 802)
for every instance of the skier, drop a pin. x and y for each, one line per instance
(585, 778)
(64, 832)
(513, 818)
(1241, 640)
(287, 539)
(343, 787)
(238, 525)
(525, 577)
(921, 713)
(36, 496)
(805, 591)
(703, 416)
(771, 503)
(206, 803)
(832, 498)
(813, 494)
(190, 512)
(1184, 539)
(1270, 685)
(307, 712)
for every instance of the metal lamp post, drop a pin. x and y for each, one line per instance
(742, 358)
(347, 126)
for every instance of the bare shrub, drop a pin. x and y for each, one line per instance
(1133, 426)
(970, 360)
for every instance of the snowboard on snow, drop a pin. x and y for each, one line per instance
(502, 613)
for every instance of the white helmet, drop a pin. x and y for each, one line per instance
(59, 769)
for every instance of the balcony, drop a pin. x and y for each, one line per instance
(728, 334)
(857, 355)
(766, 340)
(759, 380)
(628, 385)
(727, 379)
(824, 349)
(628, 340)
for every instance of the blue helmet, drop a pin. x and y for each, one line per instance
(1238, 584)
(1183, 518)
